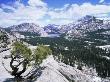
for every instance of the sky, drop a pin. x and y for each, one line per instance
(43, 12)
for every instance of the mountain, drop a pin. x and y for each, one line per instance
(90, 19)
(84, 25)
(80, 27)
(76, 29)
(28, 27)
(52, 29)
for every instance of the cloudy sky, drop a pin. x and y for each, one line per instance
(45, 12)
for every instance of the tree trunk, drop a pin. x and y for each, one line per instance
(15, 71)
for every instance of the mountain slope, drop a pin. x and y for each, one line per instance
(29, 27)
(52, 29)
(54, 71)
(75, 29)
(86, 24)
(60, 72)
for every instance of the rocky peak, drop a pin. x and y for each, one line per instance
(90, 19)
(28, 27)
(52, 28)
(25, 27)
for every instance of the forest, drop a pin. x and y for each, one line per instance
(78, 51)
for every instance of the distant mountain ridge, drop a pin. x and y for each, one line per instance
(52, 29)
(28, 27)
(75, 29)
(86, 24)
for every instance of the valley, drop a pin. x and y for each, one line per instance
(81, 45)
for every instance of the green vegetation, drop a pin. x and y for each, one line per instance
(29, 34)
(40, 53)
(98, 37)
(79, 51)
(23, 56)
(20, 51)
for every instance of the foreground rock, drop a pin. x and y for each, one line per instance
(3, 73)
(52, 71)
(59, 72)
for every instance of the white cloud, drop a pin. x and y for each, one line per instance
(101, 1)
(36, 3)
(76, 11)
(22, 13)
(38, 12)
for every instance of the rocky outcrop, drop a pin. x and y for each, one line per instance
(60, 72)
(52, 71)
